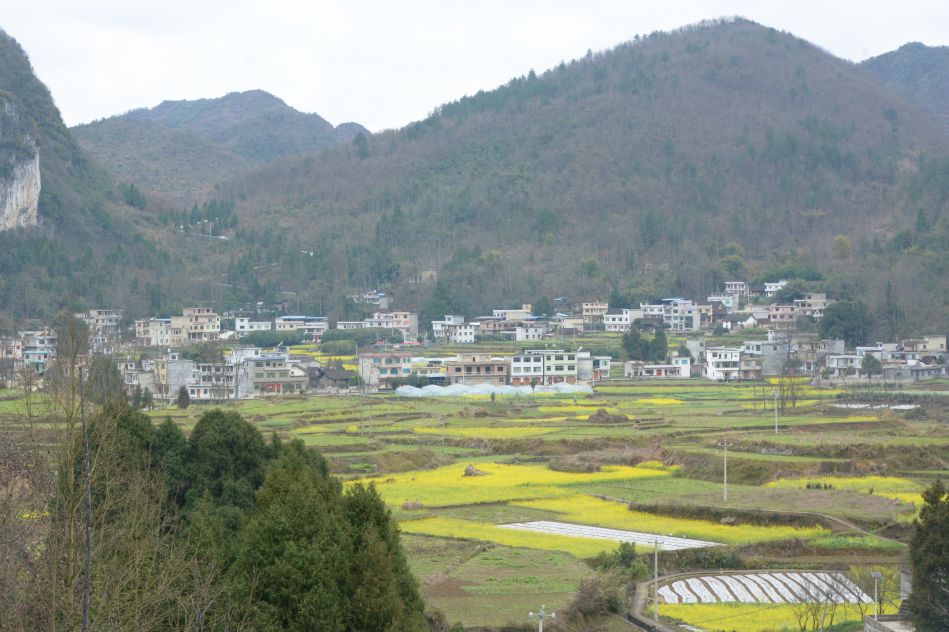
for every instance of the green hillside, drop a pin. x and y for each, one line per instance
(918, 72)
(663, 166)
(88, 246)
(180, 149)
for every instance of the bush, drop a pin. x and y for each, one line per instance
(273, 338)
(363, 337)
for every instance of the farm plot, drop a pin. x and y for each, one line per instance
(787, 587)
(666, 543)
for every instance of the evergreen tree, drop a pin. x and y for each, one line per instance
(184, 398)
(148, 400)
(848, 320)
(659, 347)
(929, 553)
(136, 400)
(543, 307)
(891, 315)
(105, 382)
(633, 344)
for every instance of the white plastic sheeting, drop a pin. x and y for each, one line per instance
(460, 390)
(666, 542)
(788, 587)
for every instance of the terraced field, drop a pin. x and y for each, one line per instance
(504, 504)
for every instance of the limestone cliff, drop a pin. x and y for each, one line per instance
(19, 170)
(20, 195)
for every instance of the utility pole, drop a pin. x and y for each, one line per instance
(540, 616)
(655, 581)
(725, 472)
(444, 424)
(87, 575)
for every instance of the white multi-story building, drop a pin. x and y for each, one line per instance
(311, 326)
(153, 332)
(678, 367)
(104, 328)
(728, 301)
(454, 330)
(621, 320)
(544, 366)
(526, 333)
(770, 289)
(739, 289)
(813, 304)
(244, 326)
(592, 312)
(681, 314)
(722, 363)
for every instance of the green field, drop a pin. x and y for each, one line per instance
(816, 492)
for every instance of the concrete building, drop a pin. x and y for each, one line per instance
(722, 363)
(196, 324)
(680, 314)
(592, 312)
(379, 369)
(244, 326)
(38, 348)
(312, 327)
(526, 333)
(104, 328)
(677, 367)
(782, 316)
(154, 332)
(271, 374)
(544, 366)
(770, 289)
(477, 369)
(738, 289)
(620, 320)
(813, 304)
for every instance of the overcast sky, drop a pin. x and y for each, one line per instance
(384, 63)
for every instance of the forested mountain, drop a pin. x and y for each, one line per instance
(183, 148)
(918, 72)
(663, 166)
(84, 245)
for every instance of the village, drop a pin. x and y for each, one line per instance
(740, 333)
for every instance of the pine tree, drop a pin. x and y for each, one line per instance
(184, 398)
(659, 347)
(929, 553)
(633, 344)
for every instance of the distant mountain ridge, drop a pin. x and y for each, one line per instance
(661, 167)
(182, 148)
(918, 72)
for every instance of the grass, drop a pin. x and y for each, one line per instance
(902, 489)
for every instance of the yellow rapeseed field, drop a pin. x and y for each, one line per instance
(586, 509)
(745, 617)
(448, 486)
(659, 401)
(486, 432)
(469, 529)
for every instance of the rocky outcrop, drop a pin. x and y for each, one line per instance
(20, 194)
(19, 169)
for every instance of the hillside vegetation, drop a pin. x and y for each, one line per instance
(918, 72)
(662, 166)
(182, 148)
(88, 247)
